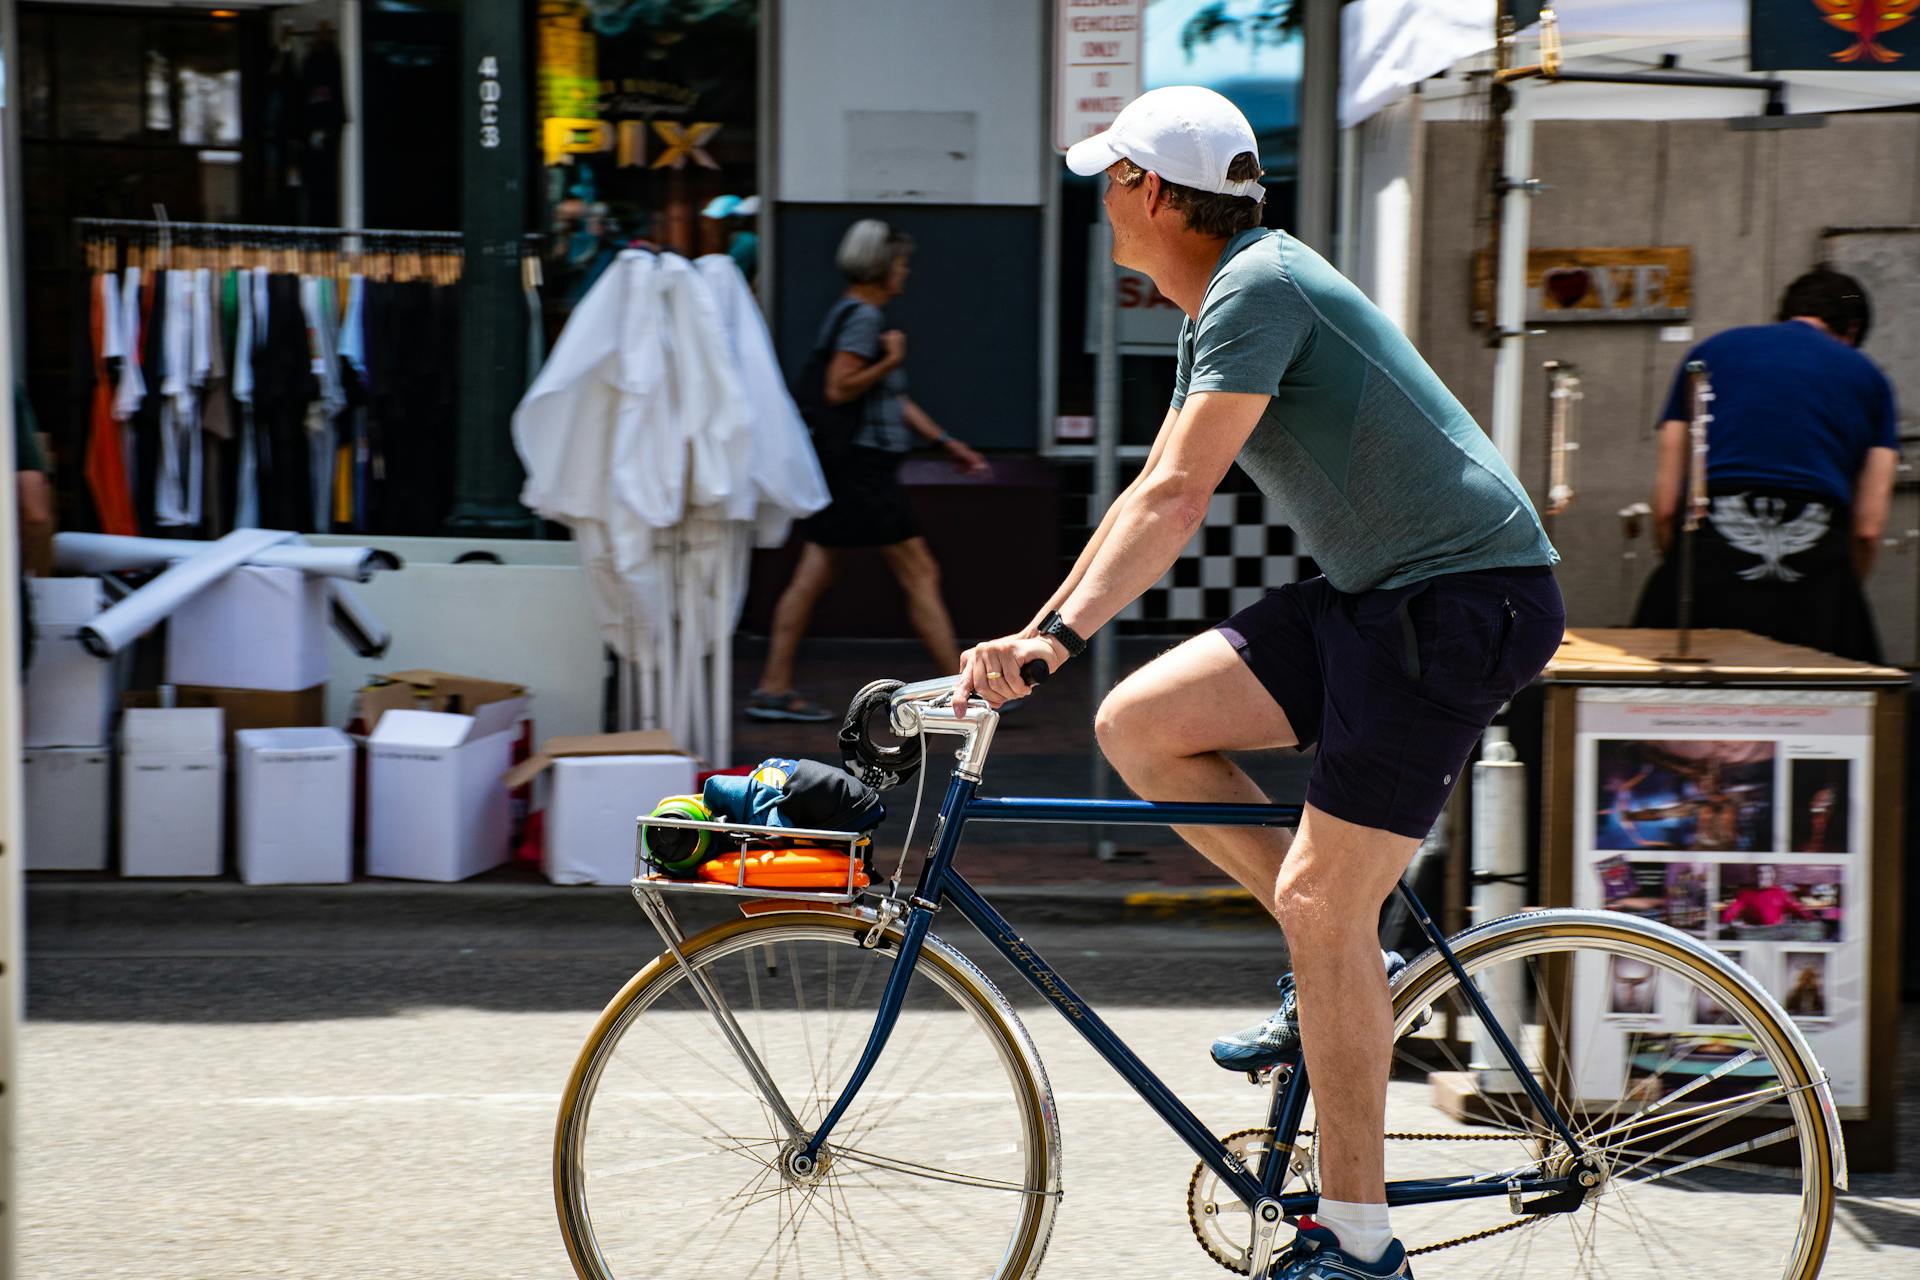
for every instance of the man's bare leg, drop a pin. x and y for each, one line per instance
(1329, 894)
(1165, 729)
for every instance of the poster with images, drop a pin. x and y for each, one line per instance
(1738, 817)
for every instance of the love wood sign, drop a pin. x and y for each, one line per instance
(1649, 285)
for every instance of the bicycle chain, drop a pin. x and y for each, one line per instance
(1200, 1169)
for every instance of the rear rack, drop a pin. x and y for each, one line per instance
(649, 878)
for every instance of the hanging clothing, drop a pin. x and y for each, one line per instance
(284, 387)
(105, 468)
(787, 480)
(246, 487)
(176, 496)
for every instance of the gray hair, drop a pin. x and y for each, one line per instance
(868, 249)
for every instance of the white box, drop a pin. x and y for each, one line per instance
(172, 791)
(256, 628)
(591, 827)
(70, 694)
(295, 814)
(67, 790)
(436, 809)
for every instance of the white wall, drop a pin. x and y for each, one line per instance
(913, 101)
(1387, 155)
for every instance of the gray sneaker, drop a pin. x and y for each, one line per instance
(1277, 1040)
(1315, 1254)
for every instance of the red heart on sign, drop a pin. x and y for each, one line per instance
(1567, 285)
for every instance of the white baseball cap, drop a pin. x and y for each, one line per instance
(1184, 133)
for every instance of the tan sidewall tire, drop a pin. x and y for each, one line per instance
(1032, 1087)
(1471, 951)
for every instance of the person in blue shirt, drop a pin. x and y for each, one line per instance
(1801, 454)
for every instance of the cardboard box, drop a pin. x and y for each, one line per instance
(295, 807)
(172, 792)
(70, 694)
(600, 785)
(431, 691)
(436, 809)
(256, 628)
(67, 793)
(248, 708)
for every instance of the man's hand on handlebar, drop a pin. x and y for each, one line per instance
(1000, 670)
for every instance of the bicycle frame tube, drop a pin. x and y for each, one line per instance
(939, 884)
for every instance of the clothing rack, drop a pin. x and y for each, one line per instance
(434, 255)
(260, 230)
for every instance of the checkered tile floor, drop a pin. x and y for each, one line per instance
(1241, 552)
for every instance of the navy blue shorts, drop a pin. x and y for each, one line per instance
(1395, 686)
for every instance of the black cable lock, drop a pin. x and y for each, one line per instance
(881, 768)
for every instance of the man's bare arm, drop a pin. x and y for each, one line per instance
(1107, 519)
(1670, 480)
(1161, 513)
(1872, 498)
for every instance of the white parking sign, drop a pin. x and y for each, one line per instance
(1096, 71)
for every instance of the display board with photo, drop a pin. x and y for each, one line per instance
(1737, 816)
(1820, 806)
(1705, 797)
(1779, 902)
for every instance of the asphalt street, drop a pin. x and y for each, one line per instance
(374, 1096)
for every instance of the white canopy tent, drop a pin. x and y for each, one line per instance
(1388, 46)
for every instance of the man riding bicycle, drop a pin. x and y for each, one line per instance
(1437, 603)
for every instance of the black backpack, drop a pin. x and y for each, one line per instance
(833, 426)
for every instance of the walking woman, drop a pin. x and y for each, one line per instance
(865, 366)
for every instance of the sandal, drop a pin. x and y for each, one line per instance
(762, 705)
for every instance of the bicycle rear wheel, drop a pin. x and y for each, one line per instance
(668, 1161)
(1696, 1109)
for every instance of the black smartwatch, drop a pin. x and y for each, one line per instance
(1054, 629)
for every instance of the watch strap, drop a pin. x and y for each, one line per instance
(1052, 627)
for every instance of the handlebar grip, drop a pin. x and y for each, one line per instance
(1035, 672)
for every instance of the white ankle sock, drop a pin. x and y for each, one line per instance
(1362, 1229)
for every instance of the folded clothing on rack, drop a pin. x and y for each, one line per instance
(795, 793)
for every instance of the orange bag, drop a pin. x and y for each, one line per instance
(805, 867)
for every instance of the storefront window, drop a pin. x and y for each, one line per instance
(647, 120)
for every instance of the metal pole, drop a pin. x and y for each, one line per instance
(353, 169)
(12, 856)
(1510, 309)
(1106, 472)
(1319, 125)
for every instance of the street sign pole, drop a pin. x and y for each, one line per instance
(1096, 50)
(1106, 480)
(12, 857)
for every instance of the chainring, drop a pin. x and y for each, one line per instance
(1222, 1225)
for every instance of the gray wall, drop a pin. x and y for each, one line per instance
(1752, 205)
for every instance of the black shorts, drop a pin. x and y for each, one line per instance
(1395, 686)
(869, 508)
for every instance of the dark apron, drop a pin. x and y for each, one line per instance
(1776, 562)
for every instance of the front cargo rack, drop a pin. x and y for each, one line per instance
(746, 838)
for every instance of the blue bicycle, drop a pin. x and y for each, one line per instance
(825, 1087)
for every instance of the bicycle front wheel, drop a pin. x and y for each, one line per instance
(668, 1159)
(1697, 1115)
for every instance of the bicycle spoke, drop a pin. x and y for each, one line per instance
(925, 1171)
(673, 1111)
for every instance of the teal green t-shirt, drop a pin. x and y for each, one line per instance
(1384, 477)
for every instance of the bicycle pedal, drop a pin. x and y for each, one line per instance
(1265, 1075)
